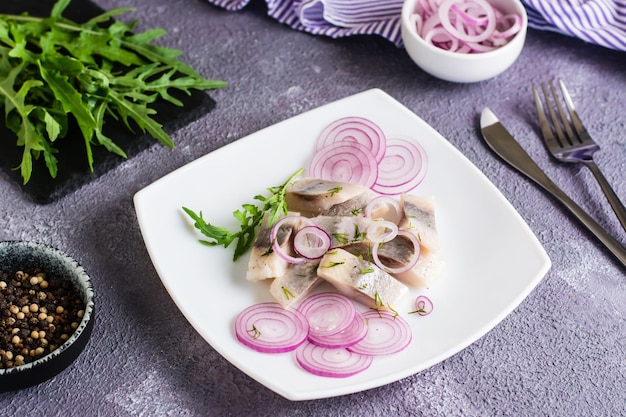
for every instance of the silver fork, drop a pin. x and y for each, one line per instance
(572, 142)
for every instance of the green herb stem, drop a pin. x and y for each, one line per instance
(250, 218)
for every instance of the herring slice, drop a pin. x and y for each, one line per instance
(428, 270)
(419, 219)
(296, 283)
(360, 280)
(264, 263)
(312, 196)
(343, 230)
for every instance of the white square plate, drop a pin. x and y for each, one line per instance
(493, 260)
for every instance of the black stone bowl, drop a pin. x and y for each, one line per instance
(25, 256)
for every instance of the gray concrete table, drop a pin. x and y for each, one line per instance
(562, 352)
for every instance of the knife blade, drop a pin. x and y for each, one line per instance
(504, 145)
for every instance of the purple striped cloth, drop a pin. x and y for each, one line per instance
(602, 22)
(333, 18)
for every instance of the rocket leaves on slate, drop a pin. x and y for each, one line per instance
(52, 69)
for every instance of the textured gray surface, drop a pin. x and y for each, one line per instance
(562, 352)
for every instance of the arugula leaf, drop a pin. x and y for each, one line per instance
(70, 99)
(53, 69)
(14, 102)
(250, 218)
(59, 7)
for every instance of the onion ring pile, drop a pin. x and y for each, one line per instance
(355, 149)
(464, 26)
(329, 335)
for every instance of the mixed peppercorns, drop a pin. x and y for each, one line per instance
(37, 315)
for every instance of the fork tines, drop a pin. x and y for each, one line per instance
(572, 142)
(563, 121)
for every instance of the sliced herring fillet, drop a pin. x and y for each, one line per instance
(312, 196)
(394, 254)
(419, 218)
(428, 270)
(264, 263)
(360, 280)
(297, 281)
(343, 230)
(353, 206)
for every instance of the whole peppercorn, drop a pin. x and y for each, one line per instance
(30, 306)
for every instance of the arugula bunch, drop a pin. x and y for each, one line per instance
(52, 69)
(251, 216)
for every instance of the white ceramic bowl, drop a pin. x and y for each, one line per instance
(460, 67)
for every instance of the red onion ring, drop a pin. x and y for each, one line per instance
(390, 206)
(416, 22)
(270, 328)
(445, 14)
(472, 26)
(439, 36)
(349, 336)
(276, 247)
(480, 47)
(387, 333)
(311, 242)
(431, 21)
(381, 231)
(354, 130)
(345, 162)
(503, 31)
(335, 363)
(470, 13)
(393, 166)
(403, 168)
(423, 305)
(327, 313)
(409, 265)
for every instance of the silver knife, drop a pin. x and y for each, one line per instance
(503, 144)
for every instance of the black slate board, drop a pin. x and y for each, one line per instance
(73, 170)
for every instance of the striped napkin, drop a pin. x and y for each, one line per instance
(602, 22)
(333, 18)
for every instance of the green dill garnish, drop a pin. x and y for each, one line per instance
(250, 218)
(335, 190)
(395, 313)
(332, 264)
(341, 238)
(288, 294)
(358, 235)
(377, 300)
(377, 310)
(255, 332)
(366, 271)
(356, 211)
